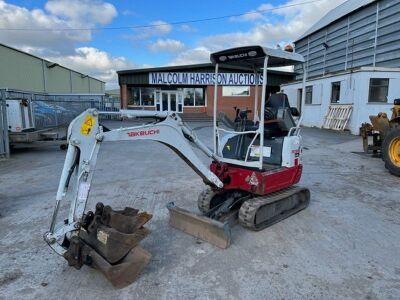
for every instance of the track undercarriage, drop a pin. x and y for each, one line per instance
(223, 208)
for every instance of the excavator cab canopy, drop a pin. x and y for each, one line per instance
(257, 59)
(254, 56)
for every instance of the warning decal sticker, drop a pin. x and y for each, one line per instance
(87, 125)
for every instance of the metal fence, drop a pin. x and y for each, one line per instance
(53, 110)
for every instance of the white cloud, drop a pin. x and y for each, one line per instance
(254, 15)
(273, 27)
(128, 12)
(293, 22)
(156, 28)
(82, 11)
(187, 28)
(94, 62)
(59, 46)
(166, 45)
(192, 56)
(58, 14)
(249, 16)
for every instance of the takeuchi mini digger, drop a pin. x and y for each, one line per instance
(255, 164)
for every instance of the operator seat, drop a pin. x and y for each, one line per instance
(276, 102)
(278, 116)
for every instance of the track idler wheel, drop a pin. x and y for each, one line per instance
(108, 240)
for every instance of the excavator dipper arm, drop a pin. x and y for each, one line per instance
(108, 240)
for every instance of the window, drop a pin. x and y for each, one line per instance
(378, 90)
(147, 96)
(193, 97)
(141, 96)
(299, 99)
(335, 94)
(135, 97)
(236, 91)
(188, 97)
(199, 97)
(309, 92)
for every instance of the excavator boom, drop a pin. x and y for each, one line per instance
(88, 238)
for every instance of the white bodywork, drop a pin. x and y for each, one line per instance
(19, 115)
(291, 151)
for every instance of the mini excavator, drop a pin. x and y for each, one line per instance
(255, 164)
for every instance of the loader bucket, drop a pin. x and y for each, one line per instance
(201, 227)
(108, 240)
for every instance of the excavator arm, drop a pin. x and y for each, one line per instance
(85, 135)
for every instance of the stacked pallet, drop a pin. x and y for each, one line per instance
(338, 116)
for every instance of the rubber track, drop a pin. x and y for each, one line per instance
(249, 209)
(204, 199)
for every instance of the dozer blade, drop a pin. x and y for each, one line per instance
(108, 240)
(206, 229)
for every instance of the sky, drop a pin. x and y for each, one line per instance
(86, 35)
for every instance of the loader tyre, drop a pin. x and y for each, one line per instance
(391, 151)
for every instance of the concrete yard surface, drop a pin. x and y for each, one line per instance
(345, 245)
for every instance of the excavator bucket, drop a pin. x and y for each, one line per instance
(209, 230)
(109, 241)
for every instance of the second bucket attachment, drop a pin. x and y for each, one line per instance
(108, 240)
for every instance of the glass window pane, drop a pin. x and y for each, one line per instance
(148, 96)
(378, 90)
(134, 98)
(335, 95)
(236, 91)
(309, 90)
(199, 97)
(188, 96)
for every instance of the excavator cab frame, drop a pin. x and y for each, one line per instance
(257, 59)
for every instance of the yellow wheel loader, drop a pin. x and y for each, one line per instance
(385, 135)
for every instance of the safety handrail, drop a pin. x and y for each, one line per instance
(237, 132)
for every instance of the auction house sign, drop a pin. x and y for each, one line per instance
(179, 78)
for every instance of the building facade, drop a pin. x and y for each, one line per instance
(190, 89)
(25, 72)
(352, 57)
(37, 94)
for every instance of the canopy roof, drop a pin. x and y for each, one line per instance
(253, 56)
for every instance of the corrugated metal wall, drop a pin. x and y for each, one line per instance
(22, 71)
(367, 37)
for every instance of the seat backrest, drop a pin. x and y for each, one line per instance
(277, 101)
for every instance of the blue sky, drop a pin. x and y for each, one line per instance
(100, 53)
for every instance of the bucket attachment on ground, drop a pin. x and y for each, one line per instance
(204, 228)
(109, 241)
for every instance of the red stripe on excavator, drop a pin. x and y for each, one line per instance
(239, 178)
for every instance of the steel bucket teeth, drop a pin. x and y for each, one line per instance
(206, 229)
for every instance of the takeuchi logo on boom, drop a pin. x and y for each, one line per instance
(143, 132)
